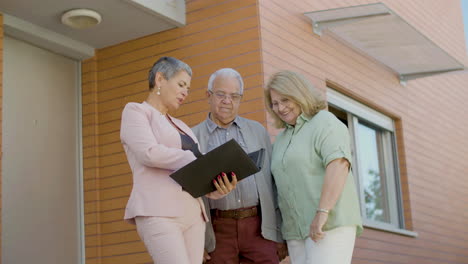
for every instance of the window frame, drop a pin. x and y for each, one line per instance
(385, 126)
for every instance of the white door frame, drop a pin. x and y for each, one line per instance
(57, 43)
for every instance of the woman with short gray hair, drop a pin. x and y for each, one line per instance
(169, 220)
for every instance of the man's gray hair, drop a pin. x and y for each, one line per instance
(168, 67)
(226, 72)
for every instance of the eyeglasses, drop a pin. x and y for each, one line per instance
(235, 97)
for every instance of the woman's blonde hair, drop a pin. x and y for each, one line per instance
(295, 87)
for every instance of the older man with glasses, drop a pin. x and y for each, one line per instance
(244, 225)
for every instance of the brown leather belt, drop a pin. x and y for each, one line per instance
(236, 213)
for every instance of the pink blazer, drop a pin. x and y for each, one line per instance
(153, 148)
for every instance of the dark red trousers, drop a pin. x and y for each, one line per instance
(240, 241)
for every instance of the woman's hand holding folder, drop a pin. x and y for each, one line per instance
(196, 177)
(223, 185)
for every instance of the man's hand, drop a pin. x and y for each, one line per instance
(206, 256)
(282, 251)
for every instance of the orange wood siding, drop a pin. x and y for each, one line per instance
(218, 34)
(430, 114)
(91, 159)
(1, 126)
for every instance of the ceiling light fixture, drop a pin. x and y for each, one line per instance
(81, 18)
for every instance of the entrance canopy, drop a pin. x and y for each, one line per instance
(378, 32)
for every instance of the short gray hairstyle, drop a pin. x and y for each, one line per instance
(226, 72)
(168, 67)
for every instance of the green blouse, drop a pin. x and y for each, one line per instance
(300, 156)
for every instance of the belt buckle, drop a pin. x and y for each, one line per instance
(236, 214)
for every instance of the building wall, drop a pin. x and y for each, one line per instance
(430, 116)
(1, 126)
(218, 34)
(91, 157)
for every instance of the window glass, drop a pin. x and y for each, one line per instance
(374, 154)
(373, 176)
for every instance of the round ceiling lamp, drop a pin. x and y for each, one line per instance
(81, 18)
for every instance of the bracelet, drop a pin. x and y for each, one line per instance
(321, 210)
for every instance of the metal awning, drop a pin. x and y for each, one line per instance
(379, 32)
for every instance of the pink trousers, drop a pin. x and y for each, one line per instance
(171, 240)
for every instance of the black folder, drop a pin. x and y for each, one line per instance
(197, 177)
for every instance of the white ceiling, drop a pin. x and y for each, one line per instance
(122, 20)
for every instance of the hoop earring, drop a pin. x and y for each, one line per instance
(159, 91)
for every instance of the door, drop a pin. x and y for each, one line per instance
(41, 158)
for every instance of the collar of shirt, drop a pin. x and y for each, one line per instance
(300, 121)
(212, 125)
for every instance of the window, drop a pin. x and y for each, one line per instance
(375, 162)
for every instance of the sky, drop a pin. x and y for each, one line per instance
(465, 19)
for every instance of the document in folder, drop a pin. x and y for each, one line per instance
(197, 177)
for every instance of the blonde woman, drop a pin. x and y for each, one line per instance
(311, 165)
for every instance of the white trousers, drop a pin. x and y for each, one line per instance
(335, 248)
(171, 240)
